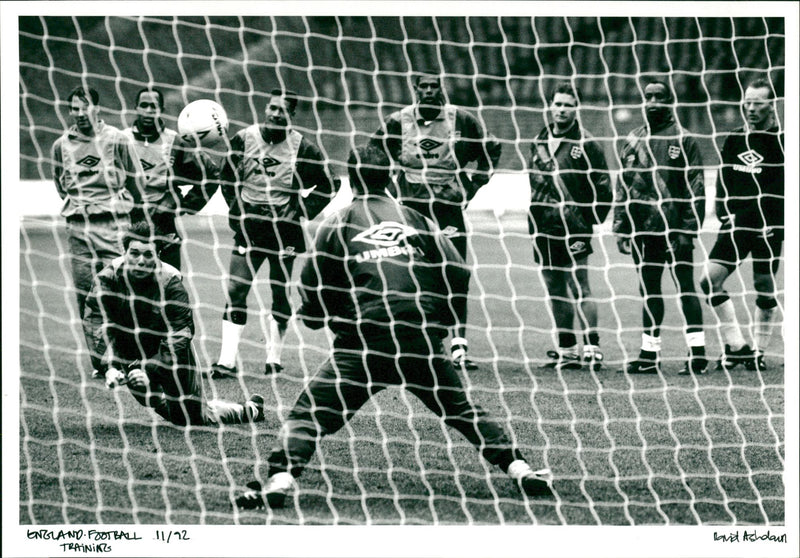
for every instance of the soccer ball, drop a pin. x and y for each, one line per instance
(203, 123)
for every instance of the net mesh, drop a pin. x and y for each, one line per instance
(660, 450)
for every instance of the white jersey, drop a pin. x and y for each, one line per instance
(154, 156)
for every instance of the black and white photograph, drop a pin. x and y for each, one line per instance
(446, 279)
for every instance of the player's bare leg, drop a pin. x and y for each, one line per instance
(736, 351)
(241, 274)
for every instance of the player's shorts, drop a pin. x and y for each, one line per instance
(449, 218)
(270, 235)
(561, 252)
(734, 245)
(93, 242)
(658, 248)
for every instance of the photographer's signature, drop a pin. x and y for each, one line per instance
(749, 536)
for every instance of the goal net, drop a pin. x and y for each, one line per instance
(624, 450)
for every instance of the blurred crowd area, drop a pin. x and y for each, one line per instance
(352, 71)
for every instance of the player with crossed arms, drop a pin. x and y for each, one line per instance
(382, 277)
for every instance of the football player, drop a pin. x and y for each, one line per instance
(381, 276)
(140, 320)
(98, 175)
(750, 200)
(660, 209)
(153, 143)
(273, 179)
(570, 194)
(433, 142)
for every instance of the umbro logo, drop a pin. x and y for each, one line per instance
(750, 157)
(386, 238)
(450, 231)
(577, 246)
(89, 161)
(388, 233)
(429, 144)
(147, 165)
(268, 162)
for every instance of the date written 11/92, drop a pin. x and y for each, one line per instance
(169, 536)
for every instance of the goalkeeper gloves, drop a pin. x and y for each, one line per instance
(115, 378)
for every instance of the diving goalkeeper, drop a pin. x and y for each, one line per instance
(139, 318)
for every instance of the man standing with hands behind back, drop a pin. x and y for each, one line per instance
(750, 206)
(433, 142)
(570, 193)
(270, 167)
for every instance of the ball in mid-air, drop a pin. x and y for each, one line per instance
(203, 122)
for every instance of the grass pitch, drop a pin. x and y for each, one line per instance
(624, 450)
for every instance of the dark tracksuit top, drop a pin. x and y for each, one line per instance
(154, 322)
(376, 265)
(661, 187)
(579, 164)
(381, 276)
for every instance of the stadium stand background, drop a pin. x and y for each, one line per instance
(352, 71)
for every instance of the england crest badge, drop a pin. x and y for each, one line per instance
(674, 151)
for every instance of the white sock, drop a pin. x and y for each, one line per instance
(518, 469)
(729, 328)
(231, 334)
(696, 339)
(280, 482)
(225, 412)
(650, 343)
(274, 340)
(590, 350)
(459, 341)
(763, 328)
(458, 346)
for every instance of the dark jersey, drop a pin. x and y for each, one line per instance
(377, 267)
(154, 321)
(661, 186)
(569, 169)
(751, 180)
